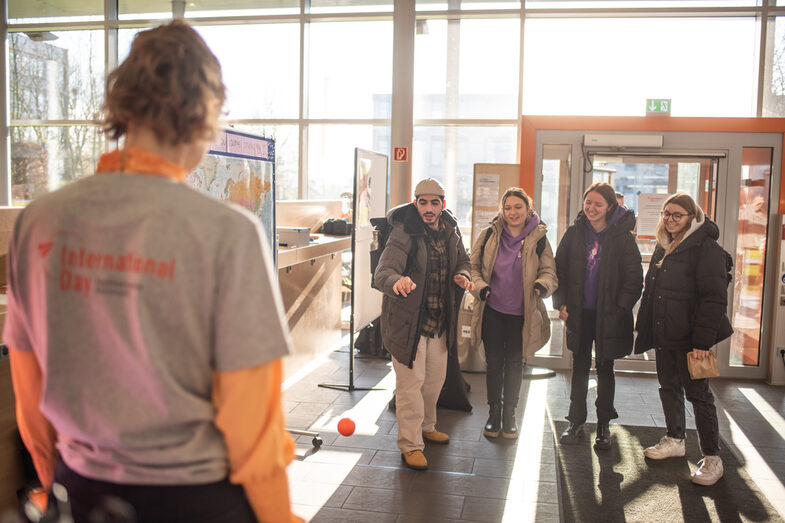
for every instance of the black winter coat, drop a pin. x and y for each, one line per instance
(685, 301)
(620, 281)
(400, 320)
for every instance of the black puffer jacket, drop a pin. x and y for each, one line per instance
(685, 301)
(619, 285)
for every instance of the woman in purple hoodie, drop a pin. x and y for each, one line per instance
(513, 270)
(600, 280)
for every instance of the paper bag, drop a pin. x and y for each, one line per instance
(703, 368)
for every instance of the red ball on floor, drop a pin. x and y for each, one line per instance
(346, 427)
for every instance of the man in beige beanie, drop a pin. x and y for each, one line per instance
(423, 273)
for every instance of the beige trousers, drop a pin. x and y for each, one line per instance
(417, 390)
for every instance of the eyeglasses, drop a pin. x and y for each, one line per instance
(675, 215)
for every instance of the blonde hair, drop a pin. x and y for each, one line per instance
(517, 192)
(170, 82)
(683, 200)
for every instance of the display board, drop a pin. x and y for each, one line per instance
(370, 201)
(490, 182)
(239, 167)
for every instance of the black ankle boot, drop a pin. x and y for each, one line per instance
(494, 423)
(603, 439)
(509, 428)
(573, 434)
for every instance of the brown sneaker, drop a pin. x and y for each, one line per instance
(415, 459)
(434, 436)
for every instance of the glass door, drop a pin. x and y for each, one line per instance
(730, 176)
(644, 180)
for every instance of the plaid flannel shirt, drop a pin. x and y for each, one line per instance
(434, 320)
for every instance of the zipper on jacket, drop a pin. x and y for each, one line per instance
(422, 300)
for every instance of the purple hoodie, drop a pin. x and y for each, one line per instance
(507, 278)
(594, 241)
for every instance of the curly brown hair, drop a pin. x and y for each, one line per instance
(170, 82)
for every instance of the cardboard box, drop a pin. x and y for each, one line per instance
(293, 236)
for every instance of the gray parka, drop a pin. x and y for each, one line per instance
(536, 269)
(400, 320)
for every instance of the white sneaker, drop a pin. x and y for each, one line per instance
(710, 471)
(667, 448)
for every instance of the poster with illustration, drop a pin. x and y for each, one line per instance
(240, 168)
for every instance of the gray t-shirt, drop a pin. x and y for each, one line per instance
(131, 290)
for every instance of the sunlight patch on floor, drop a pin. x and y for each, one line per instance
(528, 455)
(365, 413)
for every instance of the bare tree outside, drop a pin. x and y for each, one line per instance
(48, 81)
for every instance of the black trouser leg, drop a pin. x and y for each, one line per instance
(493, 340)
(581, 364)
(606, 390)
(671, 390)
(699, 394)
(513, 360)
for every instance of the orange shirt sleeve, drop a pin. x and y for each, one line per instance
(250, 417)
(37, 433)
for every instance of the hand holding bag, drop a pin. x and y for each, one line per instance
(703, 368)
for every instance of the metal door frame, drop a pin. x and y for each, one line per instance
(699, 137)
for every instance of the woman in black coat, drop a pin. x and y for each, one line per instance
(600, 279)
(683, 314)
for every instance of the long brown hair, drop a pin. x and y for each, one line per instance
(608, 193)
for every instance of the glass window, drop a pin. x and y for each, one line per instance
(287, 140)
(442, 5)
(350, 70)
(461, 73)
(705, 66)
(599, 4)
(260, 66)
(351, 6)
(461, 148)
(46, 158)
(59, 78)
(331, 156)
(38, 11)
(145, 9)
(750, 259)
(774, 77)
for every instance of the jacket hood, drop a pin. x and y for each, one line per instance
(412, 221)
(622, 220)
(699, 227)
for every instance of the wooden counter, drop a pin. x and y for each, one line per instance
(321, 245)
(311, 286)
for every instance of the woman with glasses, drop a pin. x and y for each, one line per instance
(683, 314)
(600, 279)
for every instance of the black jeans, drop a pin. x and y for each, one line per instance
(675, 382)
(581, 365)
(502, 336)
(93, 500)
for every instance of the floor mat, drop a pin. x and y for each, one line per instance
(621, 485)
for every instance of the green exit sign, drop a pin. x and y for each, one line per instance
(658, 106)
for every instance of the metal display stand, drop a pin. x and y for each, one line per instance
(370, 199)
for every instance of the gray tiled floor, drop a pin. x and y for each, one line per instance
(360, 478)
